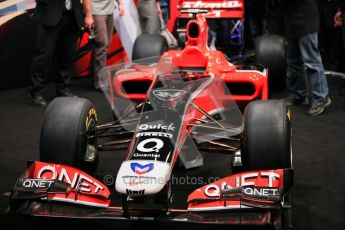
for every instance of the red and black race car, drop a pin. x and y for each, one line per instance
(225, 19)
(188, 108)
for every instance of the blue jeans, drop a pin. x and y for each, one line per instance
(165, 10)
(305, 64)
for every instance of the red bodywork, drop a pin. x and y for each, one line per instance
(209, 197)
(244, 85)
(216, 9)
(82, 188)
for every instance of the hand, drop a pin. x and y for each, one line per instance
(89, 22)
(121, 9)
(338, 20)
(159, 10)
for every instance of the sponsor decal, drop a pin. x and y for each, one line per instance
(145, 127)
(150, 145)
(289, 114)
(83, 182)
(154, 140)
(146, 155)
(36, 183)
(213, 190)
(261, 192)
(245, 180)
(168, 94)
(211, 5)
(141, 218)
(142, 180)
(154, 134)
(135, 192)
(92, 113)
(135, 183)
(141, 169)
(133, 178)
(153, 145)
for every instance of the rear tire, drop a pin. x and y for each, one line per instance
(62, 141)
(270, 51)
(266, 140)
(149, 45)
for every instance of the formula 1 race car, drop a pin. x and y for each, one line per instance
(225, 18)
(226, 21)
(169, 112)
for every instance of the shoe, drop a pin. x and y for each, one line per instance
(318, 107)
(37, 100)
(297, 101)
(65, 92)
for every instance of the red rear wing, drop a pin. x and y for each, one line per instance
(215, 9)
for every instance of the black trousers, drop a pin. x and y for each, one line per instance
(54, 41)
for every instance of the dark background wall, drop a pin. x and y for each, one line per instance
(17, 45)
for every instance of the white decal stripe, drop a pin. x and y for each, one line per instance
(219, 208)
(79, 202)
(264, 72)
(141, 169)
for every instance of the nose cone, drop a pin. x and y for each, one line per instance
(142, 177)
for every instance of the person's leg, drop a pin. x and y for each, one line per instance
(110, 29)
(258, 18)
(165, 10)
(67, 43)
(315, 73)
(101, 42)
(142, 19)
(148, 16)
(45, 46)
(297, 90)
(313, 66)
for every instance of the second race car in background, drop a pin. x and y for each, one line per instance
(225, 19)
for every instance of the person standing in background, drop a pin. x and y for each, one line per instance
(301, 21)
(103, 14)
(330, 35)
(165, 7)
(148, 16)
(257, 14)
(339, 21)
(59, 25)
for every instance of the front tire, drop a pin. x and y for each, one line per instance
(62, 140)
(266, 140)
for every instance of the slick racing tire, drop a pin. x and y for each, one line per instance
(266, 139)
(147, 46)
(270, 51)
(62, 140)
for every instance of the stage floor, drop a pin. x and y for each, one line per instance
(318, 151)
